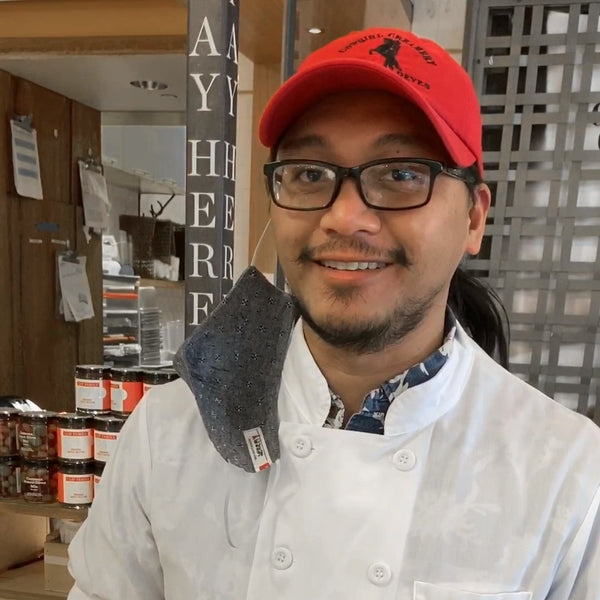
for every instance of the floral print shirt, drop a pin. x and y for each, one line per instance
(371, 417)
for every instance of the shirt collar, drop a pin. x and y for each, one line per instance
(388, 391)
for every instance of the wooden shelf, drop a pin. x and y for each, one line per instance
(140, 182)
(161, 283)
(26, 583)
(53, 509)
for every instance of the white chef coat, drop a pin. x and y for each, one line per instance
(481, 488)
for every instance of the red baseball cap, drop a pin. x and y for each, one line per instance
(390, 60)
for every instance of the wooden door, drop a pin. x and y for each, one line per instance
(51, 118)
(7, 380)
(48, 344)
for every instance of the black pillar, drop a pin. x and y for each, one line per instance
(210, 182)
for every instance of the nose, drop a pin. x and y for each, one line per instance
(349, 214)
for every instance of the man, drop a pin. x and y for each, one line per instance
(370, 449)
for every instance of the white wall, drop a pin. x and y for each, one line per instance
(383, 13)
(442, 21)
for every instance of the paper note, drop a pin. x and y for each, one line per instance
(96, 204)
(26, 163)
(75, 288)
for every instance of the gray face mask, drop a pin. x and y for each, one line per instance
(233, 363)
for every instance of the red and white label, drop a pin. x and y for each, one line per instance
(125, 395)
(75, 443)
(75, 489)
(92, 394)
(104, 444)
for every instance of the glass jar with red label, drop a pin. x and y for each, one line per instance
(154, 377)
(39, 480)
(126, 389)
(107, 429)
(74, 436)
(36, 432)
(92, 389)
(8, 432)
(76, 483)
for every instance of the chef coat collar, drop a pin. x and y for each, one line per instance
(238, 357)
(305, 397)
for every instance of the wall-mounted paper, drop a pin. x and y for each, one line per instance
(75, 288)
(26, 163)
(96, 204)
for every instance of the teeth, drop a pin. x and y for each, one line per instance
(352, 266)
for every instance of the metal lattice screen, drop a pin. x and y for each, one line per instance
(536, 67)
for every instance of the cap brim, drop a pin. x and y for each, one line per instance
(312, 84)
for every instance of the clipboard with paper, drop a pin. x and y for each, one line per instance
(76, 299)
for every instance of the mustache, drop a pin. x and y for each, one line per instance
(396, 255)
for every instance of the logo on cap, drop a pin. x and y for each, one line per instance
(388, 47)
(389, 50)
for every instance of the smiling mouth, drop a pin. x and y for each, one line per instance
(352, 266)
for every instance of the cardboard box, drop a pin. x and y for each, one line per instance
(56, 575)
(22, 538)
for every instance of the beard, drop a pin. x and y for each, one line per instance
(369, 335)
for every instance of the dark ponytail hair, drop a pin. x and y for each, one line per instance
(480, 311)
(475, 304)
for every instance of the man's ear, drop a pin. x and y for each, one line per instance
(482, 198)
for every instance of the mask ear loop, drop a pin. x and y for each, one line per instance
(274, 273)
(258, 246)
(262, 247)
(274, 470)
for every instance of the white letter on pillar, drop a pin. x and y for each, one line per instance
(227, 262)
(212, 157)
(207, 209)
(232, 45)
(232, 85)
(196, 260)
(229, 204)
(229, 161)
(196, 308)
(204, 90)
(209, 38)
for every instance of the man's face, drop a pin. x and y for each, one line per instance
(416, 251)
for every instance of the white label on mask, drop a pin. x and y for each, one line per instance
(257, 446)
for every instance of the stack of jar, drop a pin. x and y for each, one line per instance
(75, 450)
(36, 438)
(47, 456)
(101, 390)
(110, 395)
(93, 400)
(10, 483)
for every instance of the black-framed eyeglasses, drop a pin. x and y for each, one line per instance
(384, 184)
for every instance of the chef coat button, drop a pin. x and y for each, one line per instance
(282, 558)
(301, 446)
(379, 573)
(404, 460)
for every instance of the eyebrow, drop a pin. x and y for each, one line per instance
(301, 142)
